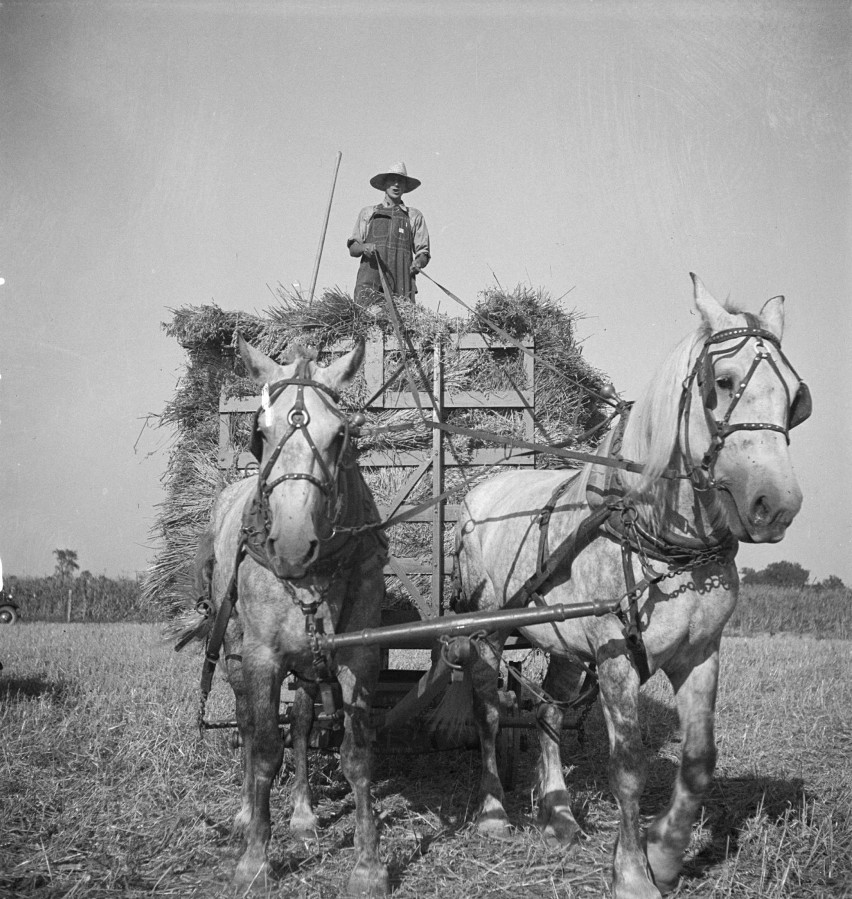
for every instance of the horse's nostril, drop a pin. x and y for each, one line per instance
(761, 514)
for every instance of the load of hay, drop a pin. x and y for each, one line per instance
(563, 412)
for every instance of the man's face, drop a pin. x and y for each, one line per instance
(394, 188)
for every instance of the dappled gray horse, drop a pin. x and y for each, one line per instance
(712, 431)
(294, 551)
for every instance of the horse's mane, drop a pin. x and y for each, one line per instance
(652, 431)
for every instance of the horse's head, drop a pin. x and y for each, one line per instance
(300, 439)
(740, 401)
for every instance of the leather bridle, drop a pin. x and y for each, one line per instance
(703, 374)
(298, 419)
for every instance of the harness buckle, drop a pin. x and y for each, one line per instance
(204, 608)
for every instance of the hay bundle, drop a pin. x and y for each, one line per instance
(193, 477)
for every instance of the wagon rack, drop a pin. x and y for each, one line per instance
(404, 694)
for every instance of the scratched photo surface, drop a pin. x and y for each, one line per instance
(159, 158)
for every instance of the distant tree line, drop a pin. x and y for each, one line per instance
(788, 574)
(86, 596)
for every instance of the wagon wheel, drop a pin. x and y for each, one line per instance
(8, 614)
(508, 739)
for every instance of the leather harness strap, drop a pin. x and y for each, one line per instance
(217, 635)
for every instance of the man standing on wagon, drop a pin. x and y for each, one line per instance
(392, 232)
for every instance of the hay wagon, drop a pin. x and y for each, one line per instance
(507, 391)
(420, 618)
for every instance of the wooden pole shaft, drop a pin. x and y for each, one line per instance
(324, 228)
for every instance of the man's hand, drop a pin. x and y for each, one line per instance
(418, 265)
(368, 250)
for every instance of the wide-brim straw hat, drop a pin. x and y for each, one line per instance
(397, 170)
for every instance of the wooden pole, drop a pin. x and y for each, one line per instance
(324, 228)
(68, 611)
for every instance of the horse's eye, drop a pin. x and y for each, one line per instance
(725, 384)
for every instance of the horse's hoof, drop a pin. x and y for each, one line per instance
(306, 835)
(367, 881)
(251, 877)
(664, 867)
(559, 833)
(304, 828)
(494, 826)
(666, 886)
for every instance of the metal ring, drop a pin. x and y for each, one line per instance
(629, 515)
(298, 418)
(203, 607)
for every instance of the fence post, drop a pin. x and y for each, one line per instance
(68, 613)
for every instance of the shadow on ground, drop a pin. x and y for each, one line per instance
(20, 689)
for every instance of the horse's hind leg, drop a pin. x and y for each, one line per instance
(491, 818)
(619, 686)
(265, 751)
(670, 833)
(303, 821)
(555, 819)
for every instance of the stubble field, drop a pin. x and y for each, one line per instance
(106, 789)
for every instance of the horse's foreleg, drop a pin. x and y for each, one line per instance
(491, 817)
(245, 727)
(670, 833)
(619, 685)
(246, 731)
(358, 679)
(266, 750)
(555, 818)
(303, 821)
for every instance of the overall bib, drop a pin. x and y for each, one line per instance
(390, 230)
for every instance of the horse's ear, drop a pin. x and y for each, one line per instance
(261, 369)
(714, 314)
(772, 316)
(344, 369)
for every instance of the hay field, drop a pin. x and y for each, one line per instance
(105, 789)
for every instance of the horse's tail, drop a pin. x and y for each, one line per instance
(456, 598)
(195, 623)
(452, 720)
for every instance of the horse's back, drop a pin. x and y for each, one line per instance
(515, 497)
(498, 529)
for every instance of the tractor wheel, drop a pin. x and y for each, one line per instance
(8, 614)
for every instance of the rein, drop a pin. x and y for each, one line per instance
(626, 530)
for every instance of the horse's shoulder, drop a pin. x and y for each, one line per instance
(229, 504)
(233, 493)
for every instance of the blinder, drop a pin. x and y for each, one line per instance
(256, 442)
(801, 407)
(707, 382)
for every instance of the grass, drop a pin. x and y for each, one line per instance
(106, 790)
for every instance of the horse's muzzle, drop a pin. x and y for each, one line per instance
(287, 568)
(769, 517)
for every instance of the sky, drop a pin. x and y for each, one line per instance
(156, 155)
